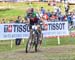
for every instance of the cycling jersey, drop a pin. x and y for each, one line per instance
(33, 18)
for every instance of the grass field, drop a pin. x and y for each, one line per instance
(50, 50)
(6, 45)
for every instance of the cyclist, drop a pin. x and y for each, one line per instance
(33, 18)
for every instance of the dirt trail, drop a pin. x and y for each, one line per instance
(48, 53)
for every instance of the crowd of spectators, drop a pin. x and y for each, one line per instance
(55, 15)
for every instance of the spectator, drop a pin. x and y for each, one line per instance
(3, 21)
(18, 40)
(18, 19)
(23, 21)
(45, 16)
(65, 17)
(61, 17)
(73, 17)
(52, 3)
(69, 19)
(48, 13)
(57, 10)
(11, 21)
(42, 10)
(54, 17)
(67, 9)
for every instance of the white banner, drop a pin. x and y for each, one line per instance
(13, 31)
(56, 29)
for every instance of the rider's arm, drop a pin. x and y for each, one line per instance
(28, 20)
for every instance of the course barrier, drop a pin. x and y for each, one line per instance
(14, 30)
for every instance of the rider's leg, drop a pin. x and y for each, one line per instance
(30, 27)
(40, 34)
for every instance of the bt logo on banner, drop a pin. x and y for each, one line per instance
(7, 28)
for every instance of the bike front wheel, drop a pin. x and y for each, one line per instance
(28, 45)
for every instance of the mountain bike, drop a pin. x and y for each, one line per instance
(33, 39)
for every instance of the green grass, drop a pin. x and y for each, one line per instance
(11, 14)
(54, 41)
(6, 45)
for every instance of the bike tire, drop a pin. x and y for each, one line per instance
(28, 45)
(36, 45)
(36, 42)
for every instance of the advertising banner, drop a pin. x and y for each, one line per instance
(13, 31)
(56, 29)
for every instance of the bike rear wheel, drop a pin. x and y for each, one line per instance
(36, 42)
